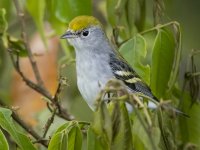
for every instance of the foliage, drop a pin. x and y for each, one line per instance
(4, 143)
(7, 124)
(155, 55)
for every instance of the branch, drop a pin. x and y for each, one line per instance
(116, 85)
(54, 99)
(27, 46)
(26, 126)
(49, 122)
(39, 86)
(31, 84)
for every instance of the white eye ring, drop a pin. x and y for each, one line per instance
(85, 32)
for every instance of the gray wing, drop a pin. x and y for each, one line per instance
(125, 73)
(131, 79)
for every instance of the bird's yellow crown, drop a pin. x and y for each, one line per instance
(82, 22)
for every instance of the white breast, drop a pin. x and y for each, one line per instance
(93, 72)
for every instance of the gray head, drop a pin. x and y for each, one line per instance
(85, 32)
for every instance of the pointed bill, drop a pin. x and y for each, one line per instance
(69, 34)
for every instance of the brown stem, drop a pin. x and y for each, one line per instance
(31, 84)
(54, 100)
(49, 122)
(39, 86)
(27, 46)
(63, 113)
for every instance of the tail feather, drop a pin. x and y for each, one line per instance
(175, 110)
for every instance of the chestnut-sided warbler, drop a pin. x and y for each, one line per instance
(97, 61)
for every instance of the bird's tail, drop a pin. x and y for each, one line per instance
(175, 110)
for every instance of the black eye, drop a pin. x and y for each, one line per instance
(85, 33)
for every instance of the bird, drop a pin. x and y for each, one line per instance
(98, 61)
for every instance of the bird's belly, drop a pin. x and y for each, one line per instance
(89, 90)
(91, 79)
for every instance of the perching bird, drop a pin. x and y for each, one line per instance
(97, 61)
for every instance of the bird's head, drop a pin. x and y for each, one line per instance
(84, 31)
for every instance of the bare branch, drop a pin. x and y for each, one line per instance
(54, 99)
(39, 87)
(31, 84)
(49, 122)
(27, 46)
(53, 105)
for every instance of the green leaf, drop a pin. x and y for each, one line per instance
(56, 24)
(121, 14)
(3, 141)
(102, 122)
(189, 127)
(131, 14)
(141, 139)
(93, 141)
(178, 50)
(63, 127)
(66, 10)
(36, 9)
(134, 51)
(102, 125)
(17, 47)
(111, 4)
(7, 5)
(58, 141)
(111, 128)
(140, 14)
(3, 23)
(3, 26)
(68, 136)
(162, 61)
(7, 124)
(75, 138)
(121, 125)
(117, 15)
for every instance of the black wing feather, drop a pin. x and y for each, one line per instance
(118, 64)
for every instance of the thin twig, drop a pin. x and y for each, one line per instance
(158, 10)
(64, 115)
(56, 97)
(84, 122)
(193, 74)
(40, 140)
(131, 99)
(146, 128)
(160, 26)
(61, 111)
(141, 104)
(37, 87)
(25, 126)
(49, 123)
(27, 46)
(163, 132)
(31, 84)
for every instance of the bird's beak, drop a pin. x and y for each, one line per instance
(69, 34)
